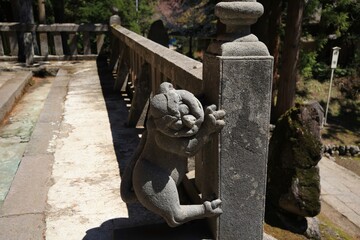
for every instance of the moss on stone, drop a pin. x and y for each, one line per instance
(294, 151)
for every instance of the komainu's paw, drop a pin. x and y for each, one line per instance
(214, 119)
(213, 208)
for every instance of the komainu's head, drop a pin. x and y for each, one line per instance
(176, 113)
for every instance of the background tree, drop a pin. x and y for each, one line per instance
(58, 9)
(325, 23)
(94, 11)
(42, 12)
(268, 29)
(289, 62)
(189, 18)
(9, 10)
(137, 21)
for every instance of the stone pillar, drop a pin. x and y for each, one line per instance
(29, 48)
(115, 19)
(114, 43)
(238, 78)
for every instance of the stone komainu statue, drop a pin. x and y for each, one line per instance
(293, 185)
(177, 127)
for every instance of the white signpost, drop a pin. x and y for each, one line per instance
(334, 60)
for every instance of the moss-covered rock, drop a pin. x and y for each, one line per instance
(295, 149)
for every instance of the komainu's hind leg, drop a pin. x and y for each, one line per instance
(158, 192)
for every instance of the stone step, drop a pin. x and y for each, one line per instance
(12, 85)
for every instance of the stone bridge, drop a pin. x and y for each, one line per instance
(65, 182)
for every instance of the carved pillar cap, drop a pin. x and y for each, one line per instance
(238, 16)
(239, 13)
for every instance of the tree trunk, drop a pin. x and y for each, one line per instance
(42, 16)
(15, 10)
(275, 13)
(289, 71)
(267, 29)
(26, 41)
(26, 11)
(59, 9)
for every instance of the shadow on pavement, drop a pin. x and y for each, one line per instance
(114, 229)
(141, 223)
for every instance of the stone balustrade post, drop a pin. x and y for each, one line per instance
(29, 48)
(238, 78)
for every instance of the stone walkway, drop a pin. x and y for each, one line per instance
(15, 133)
(11, 88)
(67, 184)
(340, 189)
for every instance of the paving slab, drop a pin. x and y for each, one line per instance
(5, 76)
(30, 227)
(23, 212)
(12, 85)
(340, 189)
(85, 195)
(16, 131)
(28, 192)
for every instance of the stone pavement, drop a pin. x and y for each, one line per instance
(11, 88)
(67, 184)
(16, 131)
(340, 188)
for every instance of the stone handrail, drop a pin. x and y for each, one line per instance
(56, 41)
(146, 64)
(236, 76)
(166, 64)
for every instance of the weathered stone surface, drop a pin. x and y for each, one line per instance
(141, 95)
(177, 127)
(183, 71)
(84, 194)
(29, 226)
(29, 48)
(237, 76)
(313, 229)
(293, 188)
(115, 19)
(11, 88)
(239, 12)
(237, 172)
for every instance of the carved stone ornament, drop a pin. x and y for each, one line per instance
(177, 127)
(238, 16)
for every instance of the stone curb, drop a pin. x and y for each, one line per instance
(23, 212)
(11, 91)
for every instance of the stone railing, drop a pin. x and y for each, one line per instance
(56, 41)
(236, 76)
(147, 64)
